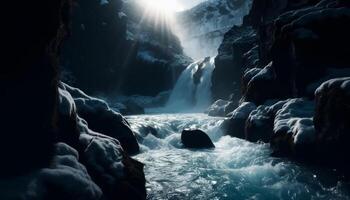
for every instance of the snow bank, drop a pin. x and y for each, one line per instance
(66, 179)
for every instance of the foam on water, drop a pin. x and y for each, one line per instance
(235, 169)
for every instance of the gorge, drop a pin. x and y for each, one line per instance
(174, 99)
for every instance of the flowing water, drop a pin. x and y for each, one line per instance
(235, 169)
(188, 96)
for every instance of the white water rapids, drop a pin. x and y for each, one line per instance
(235, 169)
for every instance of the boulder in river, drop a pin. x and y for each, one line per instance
(196, 139)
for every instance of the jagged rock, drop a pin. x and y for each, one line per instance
(235, 124)
(196, 139)
(332, 122)
(221, 108)
(103, 119)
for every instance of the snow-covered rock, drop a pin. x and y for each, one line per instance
(221, 108)
(104, 157)
(65, 178)
(235, 124)
(294, 127)
(262, 85)
(259, 125)
(103, 119)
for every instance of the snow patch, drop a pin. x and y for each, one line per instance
(65, 178)
(243, 111)
(295, 118)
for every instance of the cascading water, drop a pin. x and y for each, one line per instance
(235, 169)
(187, 96)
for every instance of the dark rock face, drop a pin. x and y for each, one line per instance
(196, 139)
(332, 120)
(104, 120)
(96, 46)
(231, 62)
(29, 84)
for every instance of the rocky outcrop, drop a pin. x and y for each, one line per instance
(103, 156)
(196, 139)
(103, 119)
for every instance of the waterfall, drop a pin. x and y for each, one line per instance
(187, 96)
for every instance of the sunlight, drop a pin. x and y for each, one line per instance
(164, 7)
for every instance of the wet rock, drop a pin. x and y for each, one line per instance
(196, 139)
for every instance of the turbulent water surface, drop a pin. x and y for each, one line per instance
(235, 169)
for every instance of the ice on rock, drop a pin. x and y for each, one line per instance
(65, 178)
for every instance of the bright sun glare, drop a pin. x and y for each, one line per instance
(162, 6)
